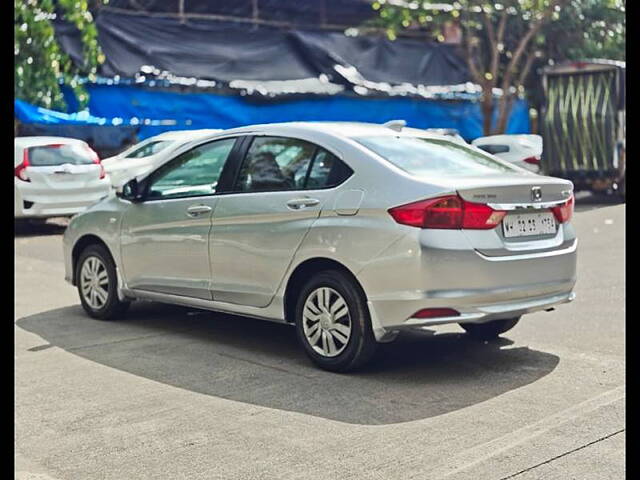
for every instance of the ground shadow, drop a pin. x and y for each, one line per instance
(418, 376)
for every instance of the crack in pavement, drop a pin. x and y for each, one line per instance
(562, 455)
(482, 452)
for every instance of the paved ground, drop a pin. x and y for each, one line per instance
(175, 393)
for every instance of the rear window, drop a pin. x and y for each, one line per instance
(427, 156)
(52, 155)
(149, 149)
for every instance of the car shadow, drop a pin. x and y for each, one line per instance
(420, 375)
(41, 228)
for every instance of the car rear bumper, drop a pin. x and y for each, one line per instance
(37, 205)
(445, 272)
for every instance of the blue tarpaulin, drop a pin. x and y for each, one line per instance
(156, 111)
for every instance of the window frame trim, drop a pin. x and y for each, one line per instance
(230, 158)
(249, 143)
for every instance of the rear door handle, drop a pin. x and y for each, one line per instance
(298, 203)
(195, 210)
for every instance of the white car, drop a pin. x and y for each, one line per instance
(56, 177)
(521, 150)
(144, 156)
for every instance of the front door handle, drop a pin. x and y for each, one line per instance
(195, 210)
(298, 203)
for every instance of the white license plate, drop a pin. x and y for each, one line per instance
(529, 224)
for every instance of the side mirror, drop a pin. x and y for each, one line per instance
(130, 191)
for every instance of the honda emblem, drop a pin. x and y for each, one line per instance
(536, 194)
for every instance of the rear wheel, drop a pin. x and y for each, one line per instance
(97, 283)
(490, 330)
(333, 324)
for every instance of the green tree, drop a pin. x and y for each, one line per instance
(40, 63)
(501, 41)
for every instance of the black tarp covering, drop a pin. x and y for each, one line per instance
(223, 51)
(107, 140)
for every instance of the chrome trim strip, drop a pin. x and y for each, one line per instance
(529, 256)
(526, 206)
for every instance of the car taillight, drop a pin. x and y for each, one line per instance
(564, 212)
(96, 160)
(532, 160)
(450, 212)
(21, 170)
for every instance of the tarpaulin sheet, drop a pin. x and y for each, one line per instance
(224, 51)
(106, 140)
(178, 111)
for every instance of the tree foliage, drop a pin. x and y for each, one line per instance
(502, 41)
(40, 63)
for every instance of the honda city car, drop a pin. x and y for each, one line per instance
(349, 232)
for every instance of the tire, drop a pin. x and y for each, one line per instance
(489, 330)
(105, 304)
(353, 343)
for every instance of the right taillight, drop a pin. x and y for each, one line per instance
(450, 212)
(21, 170)
(532, 160)
(564, 212)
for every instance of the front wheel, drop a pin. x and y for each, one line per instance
(490, 330)
(333, 324)
(97, 283)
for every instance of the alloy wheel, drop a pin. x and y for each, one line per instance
(94, 282)
(326, 322)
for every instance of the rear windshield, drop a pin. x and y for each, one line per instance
(51, 155)
(428, 156)
(149, 149)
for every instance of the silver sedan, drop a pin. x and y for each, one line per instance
(350, 232)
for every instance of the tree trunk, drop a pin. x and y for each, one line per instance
(487, 111)
(504, 109)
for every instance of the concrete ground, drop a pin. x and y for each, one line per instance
(172, 393)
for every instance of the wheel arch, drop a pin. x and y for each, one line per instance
(304, 270)
(82, 243)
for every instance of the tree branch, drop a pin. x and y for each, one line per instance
(524, 41)
(525, 70)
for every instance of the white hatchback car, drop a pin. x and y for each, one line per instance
(521, 150)
(151, 152)
(56, 177)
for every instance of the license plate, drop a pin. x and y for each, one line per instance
(529, 224)
(64, 177)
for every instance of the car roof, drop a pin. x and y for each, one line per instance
(186, 134)
(340, 129)
(42, 140)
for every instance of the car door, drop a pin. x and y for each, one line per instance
(165, 237)
(279, 191)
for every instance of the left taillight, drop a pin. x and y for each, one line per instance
(450, 212)
(20, 171)
(564, 212)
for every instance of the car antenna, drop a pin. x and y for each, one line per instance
(396, 125)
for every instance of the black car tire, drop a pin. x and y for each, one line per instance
(113, 307)
(361, 344)
(490, 330)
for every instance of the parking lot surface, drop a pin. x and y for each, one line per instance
(172, 393)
